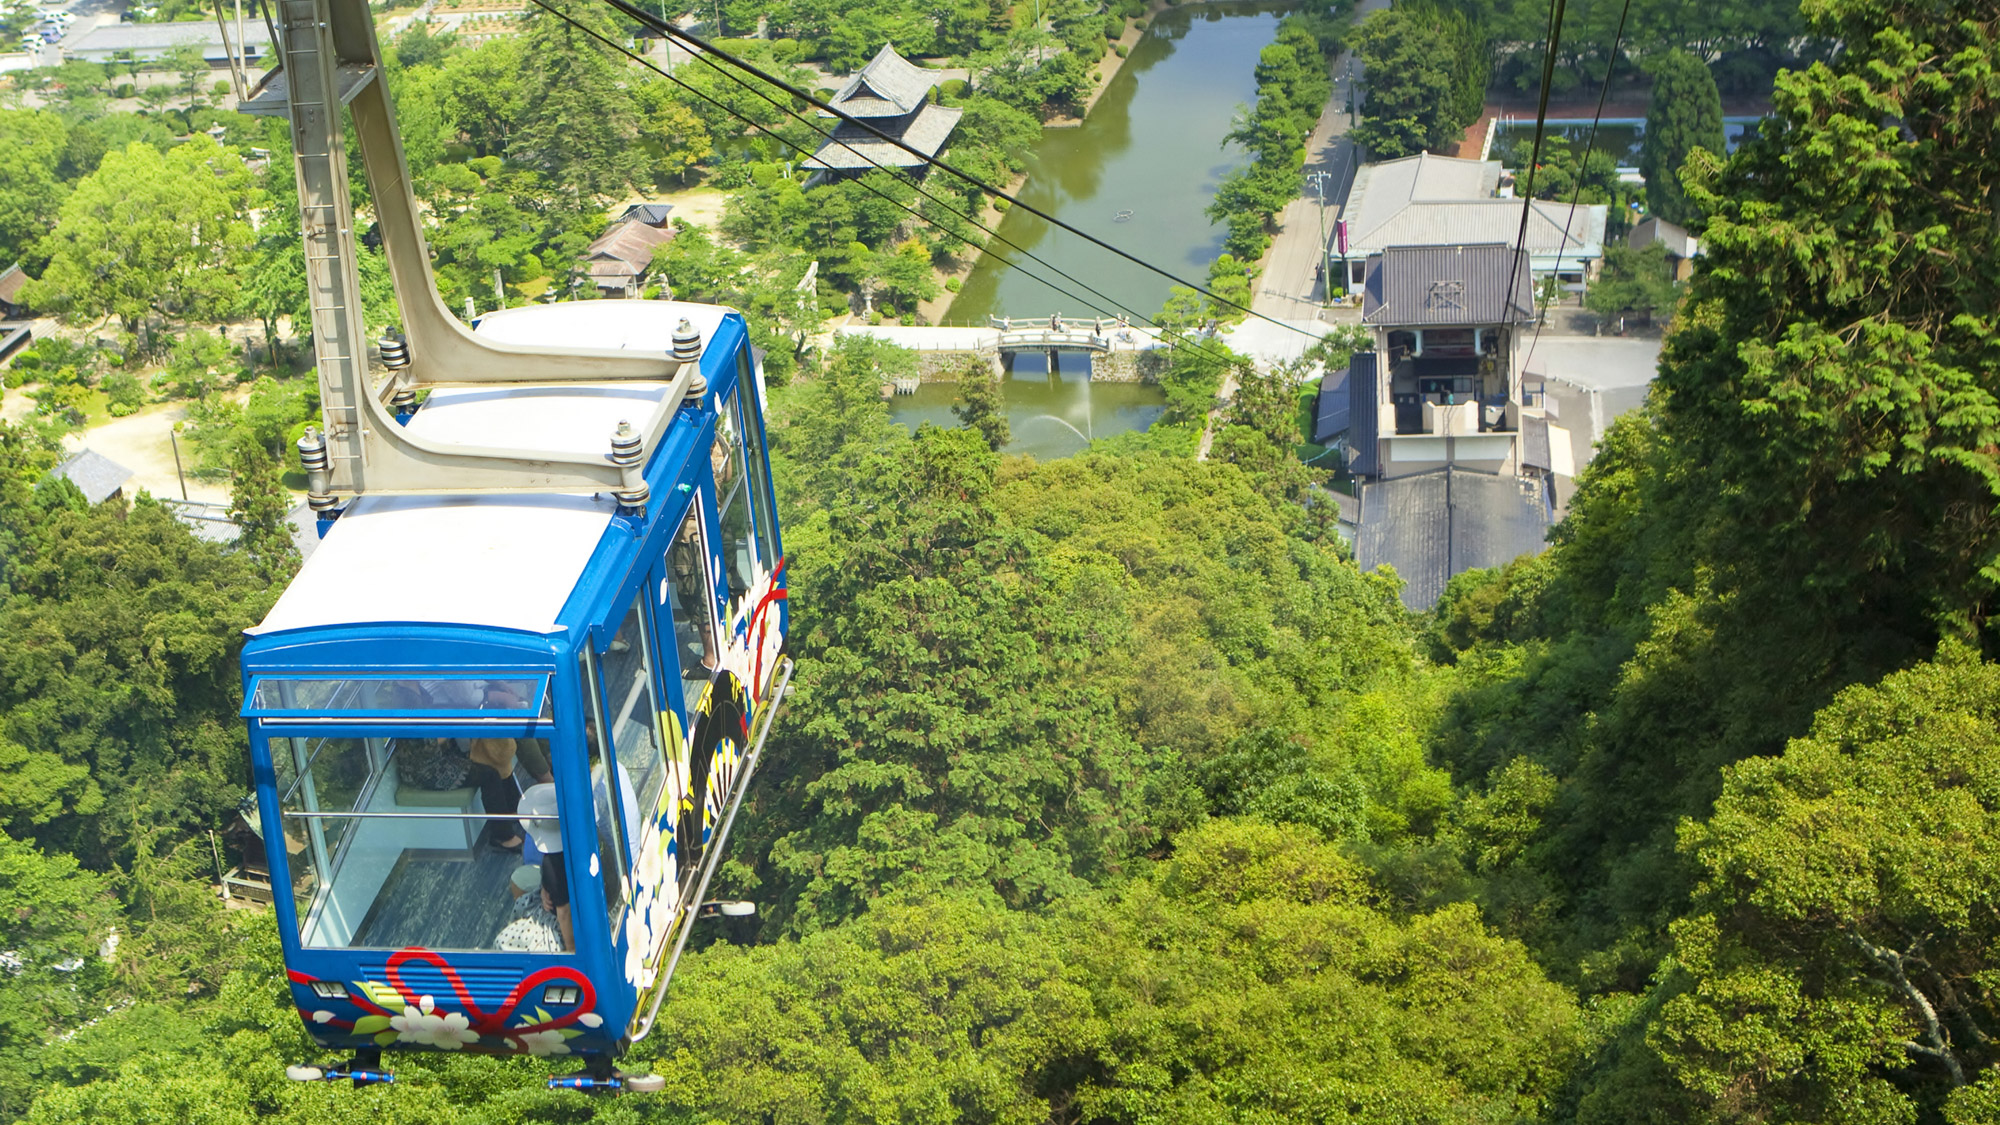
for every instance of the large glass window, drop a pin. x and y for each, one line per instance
(753, 442)
(733, 494)
(685, 594)
(611, 829)
(481, 697)
(636, 735)
(404, 840)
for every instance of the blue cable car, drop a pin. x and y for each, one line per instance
(465, 701)
(501, 721)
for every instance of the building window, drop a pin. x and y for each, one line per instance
(732, 491)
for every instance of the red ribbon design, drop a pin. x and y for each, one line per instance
(486, 1023)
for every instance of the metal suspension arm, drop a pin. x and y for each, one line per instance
(330, 58)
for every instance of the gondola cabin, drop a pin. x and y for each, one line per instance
(464, 702)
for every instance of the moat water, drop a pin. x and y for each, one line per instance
(1137, 173)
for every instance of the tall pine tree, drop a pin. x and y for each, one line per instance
(1685, 114)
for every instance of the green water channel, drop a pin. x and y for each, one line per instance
(1137, 173)
(1050, 418)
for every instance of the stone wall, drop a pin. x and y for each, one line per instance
(1107, 367)
(943, 367)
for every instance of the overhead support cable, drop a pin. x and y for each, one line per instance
(1583, 163)
(703, 46)
(1556, 10)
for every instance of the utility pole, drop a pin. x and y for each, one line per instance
(1319, 179)
(175, 441)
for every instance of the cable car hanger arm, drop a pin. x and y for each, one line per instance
(330, 57)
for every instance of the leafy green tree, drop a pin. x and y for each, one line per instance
(676, 137)
(1565, 174)
(120, 639)
(485, 95)
(123, 393)
(1261, 433)
(31, 192)
(1229, 282)
(1633, 281)
(1822, 429)
(1837, 954)
(578, 122)
(695, 265)
(1427, 74)
(488, 216)
(201, 364)
(419, 46)
(262, 507)
(186, 61)
(981, 405)
(1685, 114)
(838, 422)
(1201, 992)
(53, 916)
(905, 276)
(150, 235)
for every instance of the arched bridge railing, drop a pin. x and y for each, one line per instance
(1054, 332)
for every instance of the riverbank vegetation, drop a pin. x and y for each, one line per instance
(1292, 89)
(1113, 791)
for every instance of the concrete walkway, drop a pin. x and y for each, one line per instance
(1289, 288)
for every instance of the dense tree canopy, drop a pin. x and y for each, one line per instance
(31, 152)
(1427, 72)
(1838, 954)
(150, 234)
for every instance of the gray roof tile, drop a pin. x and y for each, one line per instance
(1439, 524)
(856, 148)
(94, 475)
(1418, 286)
(889, 86)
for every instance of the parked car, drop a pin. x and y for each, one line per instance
(31, 43)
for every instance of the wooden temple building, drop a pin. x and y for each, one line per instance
(894, 95)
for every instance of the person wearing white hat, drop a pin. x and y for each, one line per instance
(540, 801)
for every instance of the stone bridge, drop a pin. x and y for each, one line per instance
(1055, 333)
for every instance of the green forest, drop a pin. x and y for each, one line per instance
(1111, 790)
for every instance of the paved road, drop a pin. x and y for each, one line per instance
(1290, 288)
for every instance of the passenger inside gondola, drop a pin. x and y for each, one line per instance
(407, 835)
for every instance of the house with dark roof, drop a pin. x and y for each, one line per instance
(1682, 247)
(1443, 384)
(98, 477)
(893, 95)
(1428, 200)
(1436, 525)
(619, 260)
(12, 280)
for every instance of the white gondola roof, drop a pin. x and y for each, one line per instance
(500, 561)
(645, 326)
(505, 562)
